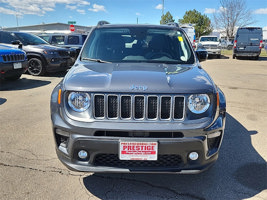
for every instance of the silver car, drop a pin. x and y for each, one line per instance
(137, 100)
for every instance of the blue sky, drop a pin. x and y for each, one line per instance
(89, 12)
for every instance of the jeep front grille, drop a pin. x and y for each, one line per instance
(138, 107)
(64, 53)
(13, 58)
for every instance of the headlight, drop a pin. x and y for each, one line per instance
(198, 103)
(79, 101)
(50, 52)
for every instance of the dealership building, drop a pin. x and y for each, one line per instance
(51, 28)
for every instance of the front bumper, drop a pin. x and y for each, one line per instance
(7, 69)
(103, 150)
(214, 51)
(55, 64)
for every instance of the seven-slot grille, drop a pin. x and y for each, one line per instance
(64, 53)
(13, 58)
(138, 107)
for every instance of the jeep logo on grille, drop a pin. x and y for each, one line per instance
(138, 87)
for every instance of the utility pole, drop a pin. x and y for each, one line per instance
(162, 7)
(17, 21)
(137, 20)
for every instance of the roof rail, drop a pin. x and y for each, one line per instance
(101, 23)
(173, 24)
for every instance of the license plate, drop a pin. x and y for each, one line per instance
(17, 65)
(241, 48)
(138, 150)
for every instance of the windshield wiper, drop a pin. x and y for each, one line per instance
(95, 60)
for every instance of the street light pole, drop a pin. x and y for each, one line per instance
(162, 7)
(17, 21)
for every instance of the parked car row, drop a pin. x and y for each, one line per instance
(70, 41)
(43, 57)
(248, 42)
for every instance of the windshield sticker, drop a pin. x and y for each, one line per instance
(180, 39)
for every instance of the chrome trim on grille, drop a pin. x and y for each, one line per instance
(178, 119)
(132, 107)
(107, 106)
(157, 114)
(170, 111)
(93, 110)
(131, 110)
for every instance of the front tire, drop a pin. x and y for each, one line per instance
(36, 67)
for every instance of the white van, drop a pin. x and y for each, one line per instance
(190, 31)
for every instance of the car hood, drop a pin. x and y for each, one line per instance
(138, 78)
(5, 49)
(46, 47)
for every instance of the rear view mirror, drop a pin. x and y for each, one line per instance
(202, 55)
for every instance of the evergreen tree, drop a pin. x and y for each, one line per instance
(167, 18)
(201, 22)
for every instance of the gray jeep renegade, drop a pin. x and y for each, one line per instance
(137, 100)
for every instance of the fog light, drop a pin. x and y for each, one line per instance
(82, 154)
(193, 156)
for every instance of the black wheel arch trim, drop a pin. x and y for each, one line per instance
(37, 55)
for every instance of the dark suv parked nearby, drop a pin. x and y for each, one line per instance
(13, 62)
(42, 57)
(73, 41)
(248, 42)
(138, 100)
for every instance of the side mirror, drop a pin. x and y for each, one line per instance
(202, 55)
(17, 42)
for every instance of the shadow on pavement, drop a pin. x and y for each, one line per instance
(239, 173)
(212, 57)
(262, 58)
(225, 57)
(22, 84)
(252, 59)
(56, 74)
(2, 101)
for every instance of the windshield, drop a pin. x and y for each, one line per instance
(29, 39)
(58, 39)
(205, 39)
(138, 44)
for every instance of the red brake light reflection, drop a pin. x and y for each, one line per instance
(235, 43)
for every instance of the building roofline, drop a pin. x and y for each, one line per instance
(44, 24)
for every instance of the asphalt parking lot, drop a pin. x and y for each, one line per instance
(29, 168)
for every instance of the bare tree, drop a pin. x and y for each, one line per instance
(232, 14)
